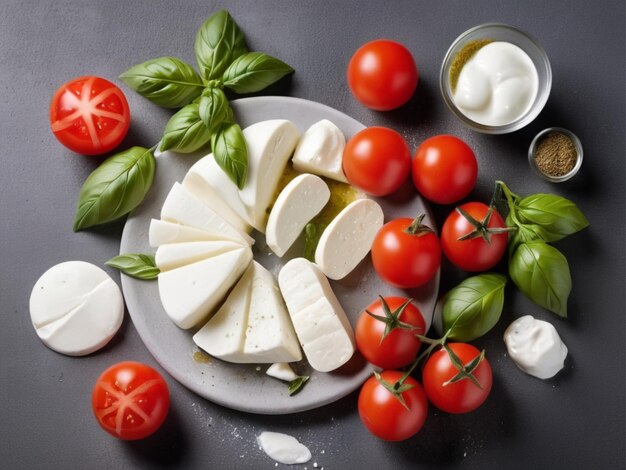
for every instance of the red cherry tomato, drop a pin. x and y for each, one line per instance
(377, 160)
(89, 115)
(444, 169)
(130, 400)
(404, 255)
(384, 415)
(400, 346)
(476, 253)
(382, 75)
(457, 397)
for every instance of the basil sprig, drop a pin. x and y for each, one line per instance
(296, 384)
(540, 270)
(166, 81)
(224, 61)
(115, 188)
(137, 265)
(473, 307)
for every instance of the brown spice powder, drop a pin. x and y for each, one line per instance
(556, 154)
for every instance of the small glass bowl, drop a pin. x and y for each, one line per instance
(533, 148)
(499, 32)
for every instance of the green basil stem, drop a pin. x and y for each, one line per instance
(510, 199)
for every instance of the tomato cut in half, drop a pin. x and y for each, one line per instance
(130, 400)
(89, 115)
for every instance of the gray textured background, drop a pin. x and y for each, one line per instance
(573, 421)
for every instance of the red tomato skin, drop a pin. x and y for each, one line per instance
(74, 124)
(444, 169)
(459, 397)
(382, 75)
(384, 416)
(474, 254)
(142, 387)
(403, 260)
(377, 160)
(400, 347)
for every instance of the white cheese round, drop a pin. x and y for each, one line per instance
(76, 308)
(284, 448)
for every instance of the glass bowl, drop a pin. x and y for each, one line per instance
(533, 149)
(499, 32)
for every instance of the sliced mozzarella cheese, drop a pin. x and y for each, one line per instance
(269, 334)
(76, 308)
(320, 151)
(184, 208)
(321, 324)
(281, 371)
(270, 144)
(163, 232)
(301, 200)
(209, 183)
(224, 334)
(175, 255)
(348, 238)
(189, 294)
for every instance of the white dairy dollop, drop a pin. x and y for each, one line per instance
(283, 448)
(535, 347)
(497, 85)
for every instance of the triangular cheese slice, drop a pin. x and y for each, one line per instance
(224, 334)
(162, 232)
(176, 255)
(189, 294)
(270, 336)
(182, 207)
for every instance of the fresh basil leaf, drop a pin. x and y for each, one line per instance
(166, 81)
(185, 132)
(557, 216)
(230, 152)
(473, 307)
(524, 233)
(219, 41)
(214, 109)
(541, 272)
(254, 71)
(296, 384)
(115, 188)
(312, 234)
(137, 265)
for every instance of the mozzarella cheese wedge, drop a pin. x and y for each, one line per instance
(281, 371)
(184, 208)
(270, 145)
(176, 255)
(348, 238)
(76, 308)
(269, 334)
(162, 232)
(320, 151)
(208, 182)
(321, 324)
(190, 293)
(301, 200)
(225, 334)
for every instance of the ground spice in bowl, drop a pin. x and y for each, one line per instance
(555, 154)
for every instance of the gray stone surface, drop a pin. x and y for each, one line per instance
(573, 421)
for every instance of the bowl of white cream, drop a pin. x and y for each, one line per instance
(495, 78)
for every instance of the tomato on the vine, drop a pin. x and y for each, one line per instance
(382, 74)
(377, 160)
(130, 400)
(474, 237)
(472, 370)
(444, 169)
(406, 253)
(89, 115)
(390, 341)
(393, 416)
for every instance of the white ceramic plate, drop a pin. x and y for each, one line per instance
(247, 387)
